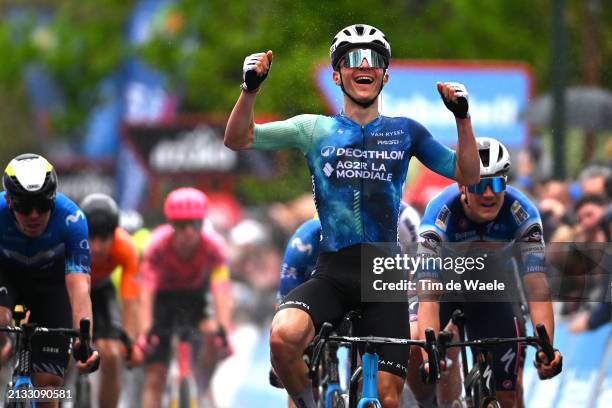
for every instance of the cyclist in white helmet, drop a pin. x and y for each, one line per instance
(491, 214)
(357, 182)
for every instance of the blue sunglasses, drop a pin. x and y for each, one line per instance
(497, 184)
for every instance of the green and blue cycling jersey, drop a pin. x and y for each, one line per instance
(518, 222)
(358, 172)
(61, 249)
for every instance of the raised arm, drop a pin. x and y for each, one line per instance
(241, 125)
(455, 97)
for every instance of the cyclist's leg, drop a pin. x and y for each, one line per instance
(106, 325)
(388, 319)
(300, 314)
(156, 363)
(49, 306)
(498, 320)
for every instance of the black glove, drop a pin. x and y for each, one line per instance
(249, 75)
(459, 108)
(81, 354)
(558, 367)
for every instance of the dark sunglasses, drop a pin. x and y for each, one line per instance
(26, 207)
(497, 184)
(354, 59)
(180, 225)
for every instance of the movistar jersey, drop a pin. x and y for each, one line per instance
(358, 172)
(518, 221)
(61, 249)
(300, 257)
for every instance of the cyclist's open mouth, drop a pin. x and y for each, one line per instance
(488, 205)
(364, 80)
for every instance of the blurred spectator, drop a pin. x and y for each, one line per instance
(589, 212)
(593, 179)
(555, 221)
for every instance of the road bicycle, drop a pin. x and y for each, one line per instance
(479, 381)
(21, 392)
(324, 367)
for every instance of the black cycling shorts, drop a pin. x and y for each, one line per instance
(489, 319)
(106, 312)
(335, 288)
(176, 312)
(49, 306)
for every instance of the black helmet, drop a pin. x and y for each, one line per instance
(30, 177)
(102, 214)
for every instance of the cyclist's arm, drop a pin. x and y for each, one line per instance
(239, 130)
(129, 287)
(462, 166)
(532, 248)
(149, 275)
(540, 306)
(78, 285)
(78, 267)
(241, 124)
(467, 170)
(220, 286)
(428, 317)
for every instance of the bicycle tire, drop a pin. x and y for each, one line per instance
(82, 392)
(184, 397)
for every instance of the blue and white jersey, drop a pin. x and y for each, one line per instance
(518, 222)
(61, 249)
(358, 172)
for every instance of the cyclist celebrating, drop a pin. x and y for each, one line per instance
(181, 264)
(490, 211)
(44, 262)
(111, 247)
(358, 161)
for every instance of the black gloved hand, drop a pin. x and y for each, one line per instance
(461, 107)
(252, 80)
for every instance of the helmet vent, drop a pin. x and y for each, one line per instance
(500, 154)
(484, 157)
(372, 31)
(359, 30)
(347, 32)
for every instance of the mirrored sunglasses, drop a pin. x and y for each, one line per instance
(497, 184)
(354, 59)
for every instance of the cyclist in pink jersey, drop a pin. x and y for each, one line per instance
(182, 262)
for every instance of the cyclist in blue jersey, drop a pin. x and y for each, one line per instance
(358, 160)
(44, 262)
(302, 251)
(491, 211)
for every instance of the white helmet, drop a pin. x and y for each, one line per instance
(494, 157)
(355, 36)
